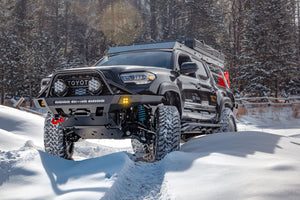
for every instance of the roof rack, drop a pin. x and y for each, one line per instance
(137, 47)
(206, 51)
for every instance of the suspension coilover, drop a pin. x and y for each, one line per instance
(141, 113)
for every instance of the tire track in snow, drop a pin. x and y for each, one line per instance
(10, 159)
(138, 180)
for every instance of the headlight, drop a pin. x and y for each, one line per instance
(45, 82)
(95, 85)
(60, 87)
(138, 77)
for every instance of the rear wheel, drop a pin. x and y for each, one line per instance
(228, 121)
(55, 140)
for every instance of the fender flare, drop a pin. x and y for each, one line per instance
(171, 87)
(224, 102)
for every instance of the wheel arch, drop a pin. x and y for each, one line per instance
(171, 95)
(225, 102)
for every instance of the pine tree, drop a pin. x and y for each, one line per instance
(268, 47)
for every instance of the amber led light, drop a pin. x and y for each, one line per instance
(42, 103)
(125, 100)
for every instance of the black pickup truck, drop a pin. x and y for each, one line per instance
(156, 94)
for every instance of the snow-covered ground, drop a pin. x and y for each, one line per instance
(261, 161)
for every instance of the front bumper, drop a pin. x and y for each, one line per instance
(94, 117)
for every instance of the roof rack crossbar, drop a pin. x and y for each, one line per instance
(210, 54)
(206, 52)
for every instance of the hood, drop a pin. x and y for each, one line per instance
(113, 72)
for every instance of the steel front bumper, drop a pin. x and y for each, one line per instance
(93, 117)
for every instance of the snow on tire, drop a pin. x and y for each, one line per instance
(168, 131)
(55, 141)
(138, 147)
(228, 121)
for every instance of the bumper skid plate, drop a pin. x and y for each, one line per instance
(93, 117)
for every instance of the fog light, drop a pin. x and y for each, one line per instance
(125, 101)
(60, 87)
(94, 85)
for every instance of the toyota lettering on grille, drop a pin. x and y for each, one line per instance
(76, 83)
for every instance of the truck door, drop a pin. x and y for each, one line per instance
(196, 92)
(206, 91)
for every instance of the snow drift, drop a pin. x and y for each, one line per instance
(251, 164)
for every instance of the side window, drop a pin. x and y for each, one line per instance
(201, 72)
(216, 73)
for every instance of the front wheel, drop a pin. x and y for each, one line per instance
(138, 147)
(55, 140)
(228, 121)
(168, 131)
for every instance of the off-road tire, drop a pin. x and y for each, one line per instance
(228, 121)
(138, 147)
(168, 131)
(55, 140)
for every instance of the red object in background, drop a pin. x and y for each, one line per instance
(57, 121)
(221, 81)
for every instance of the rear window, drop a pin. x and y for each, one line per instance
(154, 59)
(217, 76)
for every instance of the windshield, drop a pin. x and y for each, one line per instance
(154, 58)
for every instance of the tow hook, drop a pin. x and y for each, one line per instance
(56, 121)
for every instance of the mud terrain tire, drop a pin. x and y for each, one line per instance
(228, 121)
(138, 147)
(168, 130)
(55, 141)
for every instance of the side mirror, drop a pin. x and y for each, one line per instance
(188, 68)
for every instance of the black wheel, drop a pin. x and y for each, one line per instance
(168, 127)
(55, 140)
(228, 121)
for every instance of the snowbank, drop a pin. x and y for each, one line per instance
(251, 164)
(17, 127)
(244, 165)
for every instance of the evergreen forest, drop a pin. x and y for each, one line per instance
(260, 38)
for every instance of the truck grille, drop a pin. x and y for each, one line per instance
(84, 84)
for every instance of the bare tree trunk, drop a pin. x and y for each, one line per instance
(85, 46)
(2, 85)
(234, 30)
(237, 29)
(30, 93)
(240, 26)
(298, 25)
(113, 23)
(171, 17)
(66, 27)
(56, 22)
(153, 22)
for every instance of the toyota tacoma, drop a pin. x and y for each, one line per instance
(157, 94)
